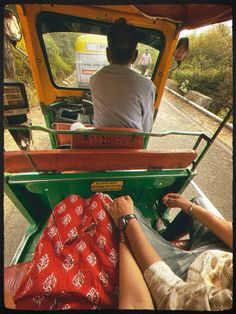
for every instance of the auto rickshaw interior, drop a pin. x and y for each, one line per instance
(51, 26)
(90, 160)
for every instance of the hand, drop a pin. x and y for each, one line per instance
(176, 200)
(121, 206)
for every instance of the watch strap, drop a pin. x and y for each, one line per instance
(126, 219)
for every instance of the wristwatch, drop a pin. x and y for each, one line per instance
(123, 221)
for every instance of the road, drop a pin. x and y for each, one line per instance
(214, 171)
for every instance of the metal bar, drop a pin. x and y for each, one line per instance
(212, 139)
(210, 207)
(197, 143)
(87, 132)
(203, 152)
(174, 68)
(223, 123)
(21, 51)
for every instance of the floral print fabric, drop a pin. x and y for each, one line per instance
(75, 264)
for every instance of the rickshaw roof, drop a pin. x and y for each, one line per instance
(189, 16)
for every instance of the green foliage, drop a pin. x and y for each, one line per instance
(184, 87)
(24, 74)
(23, 71)
(208, 68)
(61, 54)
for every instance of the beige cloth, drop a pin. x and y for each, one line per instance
(11, 28)
(208, 285)
(11, 32)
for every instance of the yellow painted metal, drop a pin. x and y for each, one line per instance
(81, 44)
(46, 91)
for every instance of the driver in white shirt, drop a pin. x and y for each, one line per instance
(122, 97)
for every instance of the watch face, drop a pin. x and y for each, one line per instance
(122, 223)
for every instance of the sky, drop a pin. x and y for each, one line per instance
(202, 29)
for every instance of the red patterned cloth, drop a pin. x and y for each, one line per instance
(75, 264)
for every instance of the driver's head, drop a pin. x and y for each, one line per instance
(122, 42)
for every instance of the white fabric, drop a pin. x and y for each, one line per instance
(122, 98)
(145, 59)
(77, 125)
(11, 28)
(208, 285)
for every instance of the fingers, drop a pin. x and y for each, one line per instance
(106, 205)
(118, 204)
(171, 199)
(122, 198)
(172, 195)
(128, 198)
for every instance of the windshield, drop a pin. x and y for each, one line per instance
(75, 49)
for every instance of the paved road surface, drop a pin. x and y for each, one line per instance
(214, 173)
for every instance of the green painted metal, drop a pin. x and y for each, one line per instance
(28, 243)
(36, 194)
(94, 131)
(18, 199)
(48, 120)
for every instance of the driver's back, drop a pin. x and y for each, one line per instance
(122, 98)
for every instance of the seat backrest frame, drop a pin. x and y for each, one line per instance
(61, 160)
(113, 140)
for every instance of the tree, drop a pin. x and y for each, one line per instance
(208, 67)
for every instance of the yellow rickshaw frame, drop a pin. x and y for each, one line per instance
(47, 93)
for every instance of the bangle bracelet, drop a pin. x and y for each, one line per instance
(190, 208)
(123, 238)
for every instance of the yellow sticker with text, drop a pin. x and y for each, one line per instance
(101, 186)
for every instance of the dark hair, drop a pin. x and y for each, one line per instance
(122, 41)
(8, 13)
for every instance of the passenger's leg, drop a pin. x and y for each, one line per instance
(201, 238)
(178, 227)
(143, 69)
(178, 260)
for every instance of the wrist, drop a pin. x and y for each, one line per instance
(132, 223)
(190, 208)
(123, 221)
(123, 237)
(186, 207)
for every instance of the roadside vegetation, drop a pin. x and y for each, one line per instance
(208, 67)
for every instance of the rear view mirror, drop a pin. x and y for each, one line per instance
(181, 50)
